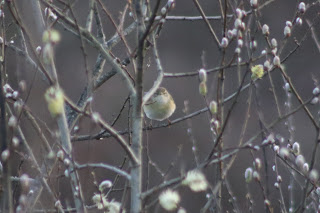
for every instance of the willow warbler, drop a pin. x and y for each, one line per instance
(160, 106)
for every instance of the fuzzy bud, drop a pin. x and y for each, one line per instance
(274, 51)
(181, 210)
(266, 65)
(299, 21)
(51, 36)
(269, 140)
(51, 155)
(248, 174)
(302, 7)
(13, 121)
(237, 23)
(169, 200)
(60, 155)
(196, 181)
(257, 72)
(15, 95)
(254, 3)
(66, 173)
(58, 204)
(253, 45)
(216, 124)
(213, 107)
(38, 50)
(203, 75)
(276, 149)
(239, 13)
(25, 182)
(105, 185)
(296, 148)
(287, 31)
(279, 179)
(171, 4)
(163, 11)
(315, 100)
(274, 43)
(23, 85)
(316, 91)
(243, 26)
(7, 88)
(289, 24)
(267, 202)
(284, 153)
(318, 191)
(276, 61)
(265, 30)
(256, 176)
(314, 175)
(15, 141)
(244, 13)
(300, 161)
(230, 34)
(257, 163)
(224, 42)
(237, 33)
(5, 155)
(305, 168)
(55, 100)
(66, 162)
(203, 88)
(240, 43)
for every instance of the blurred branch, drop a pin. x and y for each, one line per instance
(94, 43)
(313, 35)
(90, 15)
(159, 79)
(207, 23)
(110, 129)
(121, 36)
(103, 166)
(249, 142)
(41, 176)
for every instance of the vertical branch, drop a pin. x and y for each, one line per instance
(137, 116)
(66, 144)
(61, 120)
(7, 205)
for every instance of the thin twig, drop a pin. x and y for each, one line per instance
(207, 23)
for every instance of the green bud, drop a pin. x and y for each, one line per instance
(51, 35)
(213, 107)
(203, 89)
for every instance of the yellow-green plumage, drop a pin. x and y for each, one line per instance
(160, 106)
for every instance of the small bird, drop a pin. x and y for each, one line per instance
(160, 106)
